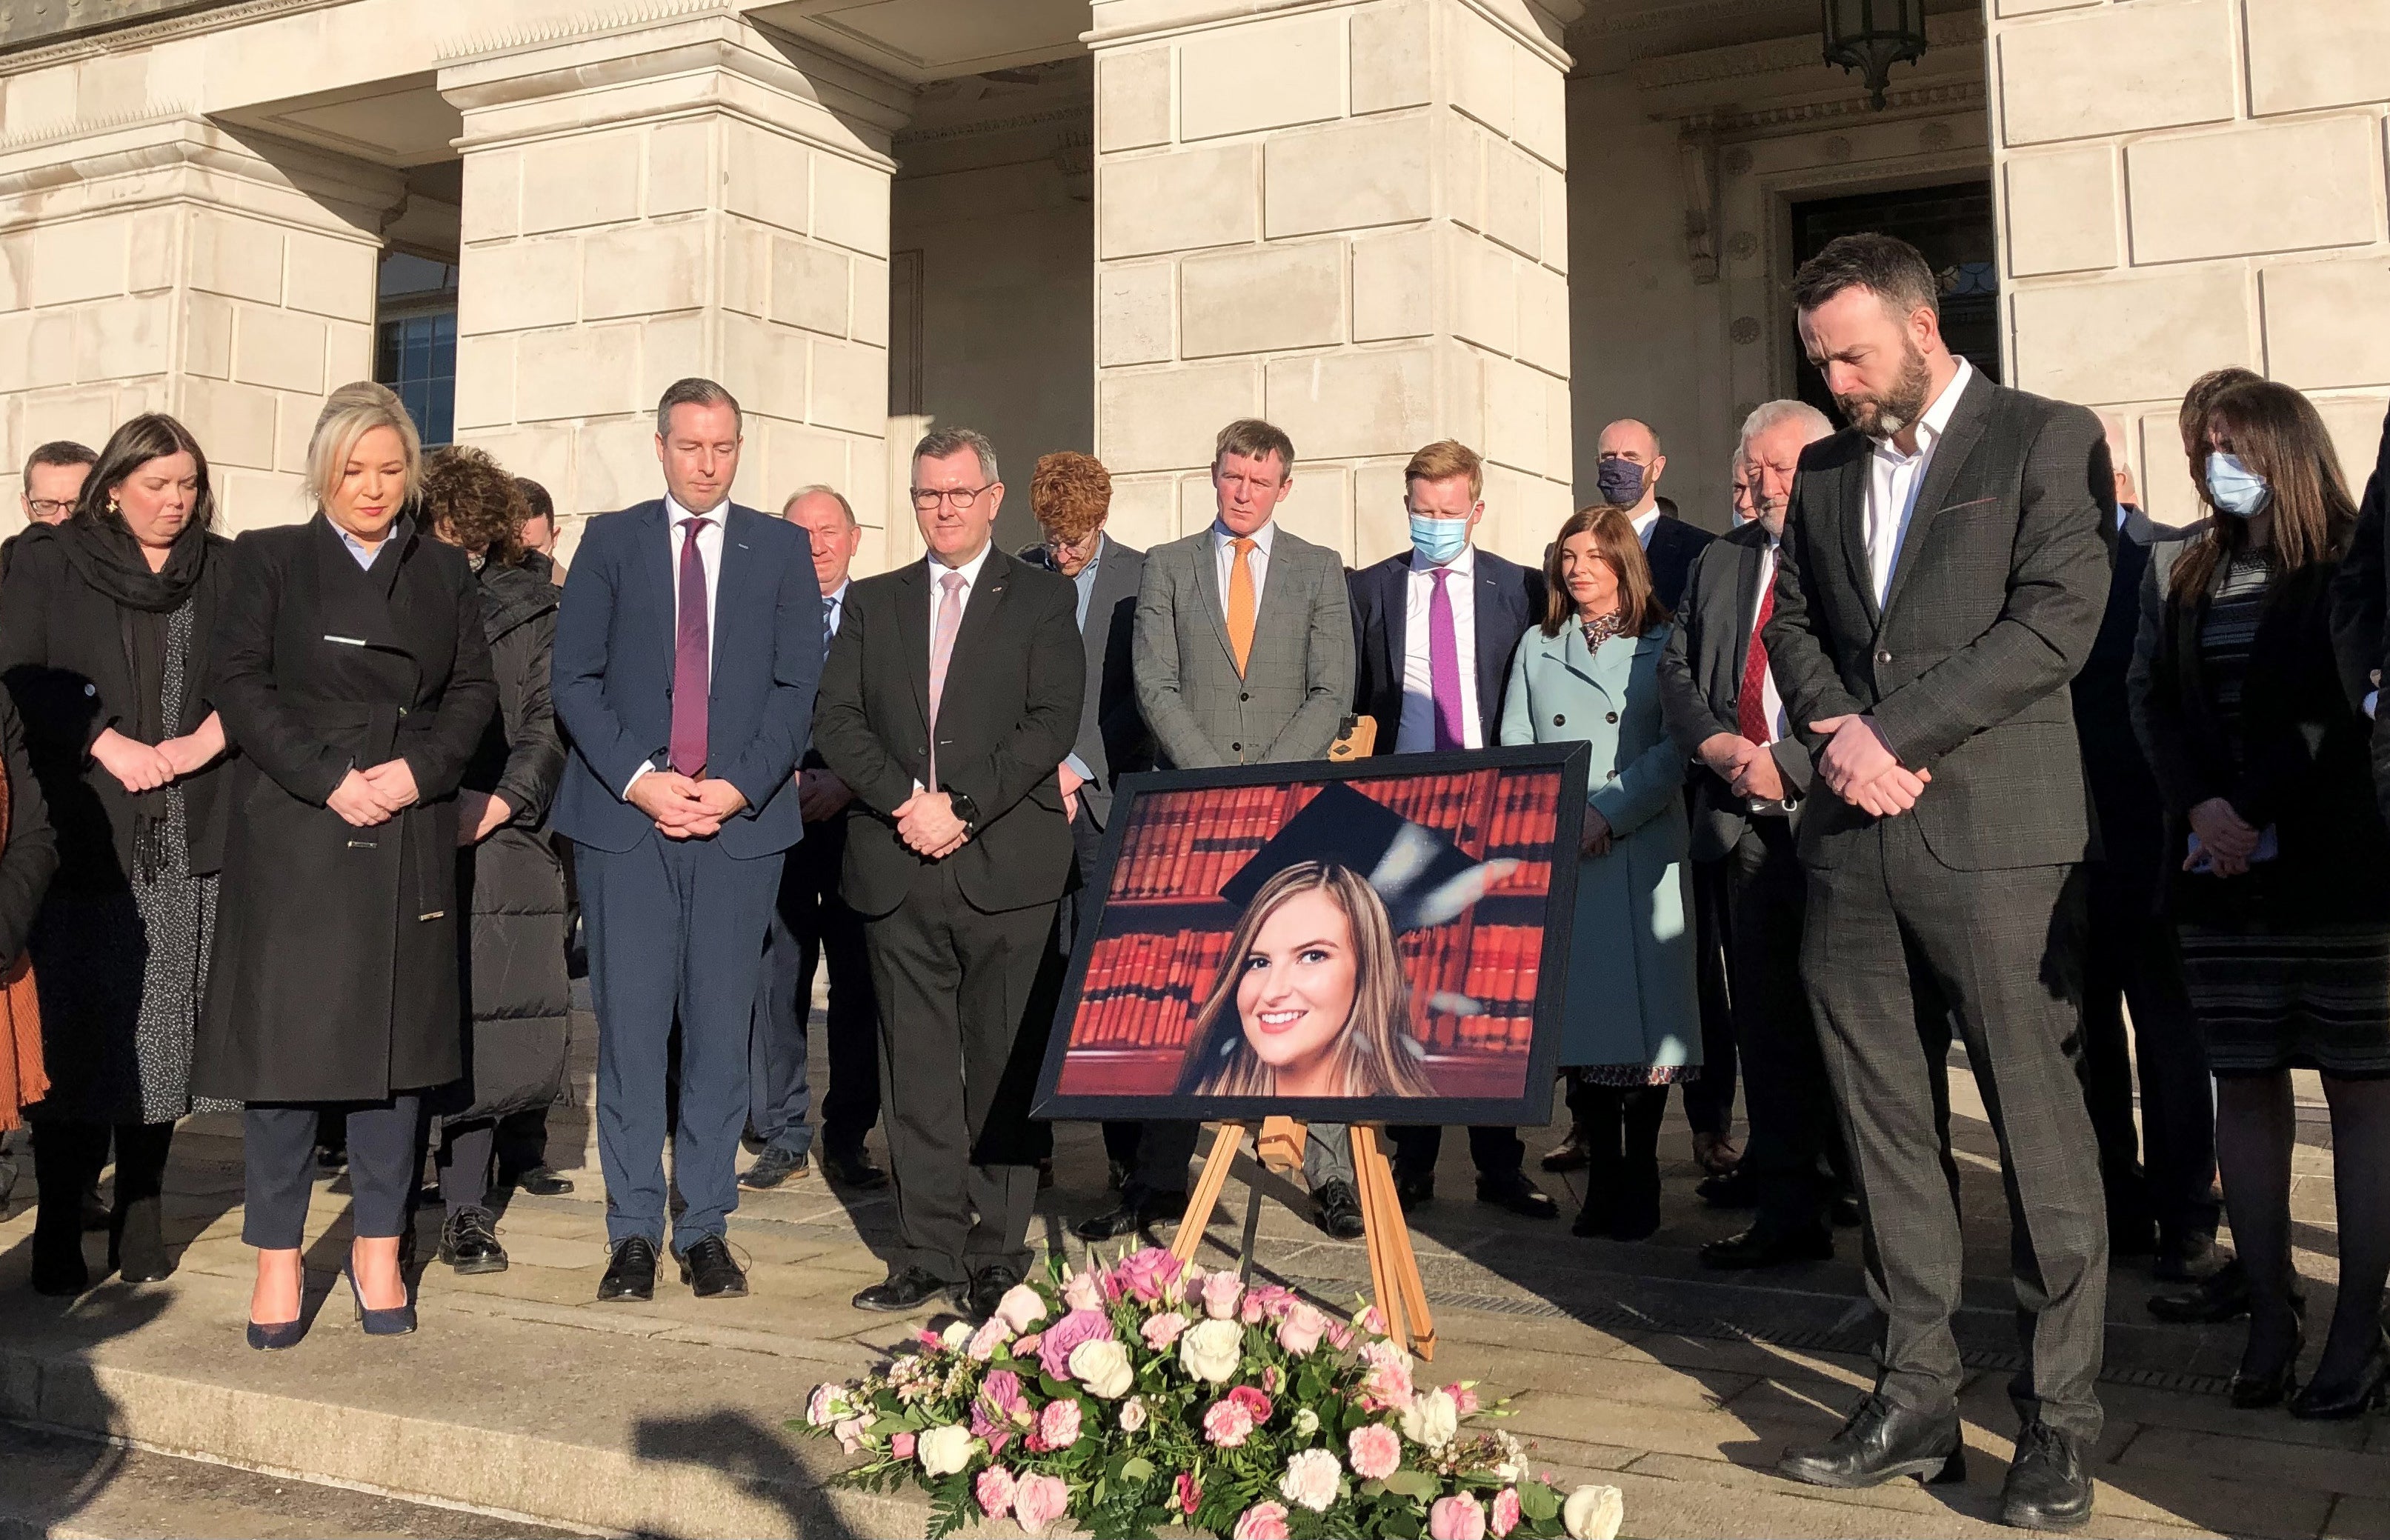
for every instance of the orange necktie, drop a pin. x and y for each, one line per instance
(1241, 603)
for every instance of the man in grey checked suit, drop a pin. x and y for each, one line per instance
(1243, 655)
(1942, 578)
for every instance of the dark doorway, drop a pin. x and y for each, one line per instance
(1954, 226)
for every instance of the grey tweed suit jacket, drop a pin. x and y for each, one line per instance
(1298, 684)
(1996, 598)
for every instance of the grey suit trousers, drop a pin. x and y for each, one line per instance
(2004, 950)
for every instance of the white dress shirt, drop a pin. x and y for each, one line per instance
(709, 555)
(938, 570)
(1257, 559)
(834, 602)
(1771, 703)
(1894, 480)
(1416, 732)
(1645, 522)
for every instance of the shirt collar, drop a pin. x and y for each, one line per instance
(1085, 576)
(1937, 420)
(675, 514)
(1462, 565)
(1643, 522)
(400, 528)
(969, 569)
(1222, 534)
(837, 594)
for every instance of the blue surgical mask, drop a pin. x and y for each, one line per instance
(2235, 488)
(1438, 540)
(1621, 482)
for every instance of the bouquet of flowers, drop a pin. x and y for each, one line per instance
(1120, 1398)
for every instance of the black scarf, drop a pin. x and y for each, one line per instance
(104, 555)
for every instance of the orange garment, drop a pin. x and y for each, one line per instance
(22, 1079)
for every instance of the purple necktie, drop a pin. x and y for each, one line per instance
(1444, 665)
(692, 659)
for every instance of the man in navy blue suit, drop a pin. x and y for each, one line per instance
(687, 655)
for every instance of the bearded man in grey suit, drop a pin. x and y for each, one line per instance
(1243, 655)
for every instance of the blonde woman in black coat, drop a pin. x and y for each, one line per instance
(354, 682)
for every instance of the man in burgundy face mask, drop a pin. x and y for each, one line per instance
(1627, 472)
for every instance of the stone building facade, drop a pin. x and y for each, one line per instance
(1113, 226)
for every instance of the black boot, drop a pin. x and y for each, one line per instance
(1598, 1132)
(67, 1156)
(137, 1227)
(1637, 1214)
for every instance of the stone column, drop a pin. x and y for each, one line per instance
(2189, 184)
(164, 264)
(695, 196)
(1351, 219)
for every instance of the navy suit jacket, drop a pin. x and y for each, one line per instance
(613, 675)
(1508, 601)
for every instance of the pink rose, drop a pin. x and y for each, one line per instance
(1372, 1321)
(1148, 1273)
(1022, 1307)
(1261, 1522)
(1271, 1379)
(1340, 1336)
(1375, 1449)
(1000, 1393)
(1132, 1413)
(1190, 1495)
(992, 1334)
(1227, 1423)
(849, 1433)
(1505, 1513)
(1080, 1326)
(1080, 1291)
(1038, 1501)
(1389, 1381)
(1301, 1329)
(823, 1406)
(1459, 1516)
(1057, 1425)
(1253, 1401)
(995, 1490)
(902, 1447)
(1464, 1399)
(1164, 1330)
(1221, 1293)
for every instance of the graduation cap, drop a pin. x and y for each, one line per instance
(1421, 876)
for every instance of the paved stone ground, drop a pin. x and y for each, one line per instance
(522, 1398)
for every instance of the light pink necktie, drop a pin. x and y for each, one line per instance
(941, 652)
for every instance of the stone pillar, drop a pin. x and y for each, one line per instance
(163, 264)
(688, 198)
(2189, 184)
(1351, 219)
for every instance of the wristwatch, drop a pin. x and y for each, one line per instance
(964, 808)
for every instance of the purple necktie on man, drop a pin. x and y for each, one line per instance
(1444, 665)
(692, 659)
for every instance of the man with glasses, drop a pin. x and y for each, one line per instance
(53, 477)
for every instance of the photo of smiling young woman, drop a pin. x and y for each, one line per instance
(1312, 1001)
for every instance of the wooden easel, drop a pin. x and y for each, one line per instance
(1394, 1282)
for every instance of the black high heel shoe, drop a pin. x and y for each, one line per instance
(2338, 1399)
(274, 1336)
(2269, 1384)
(397, 1321)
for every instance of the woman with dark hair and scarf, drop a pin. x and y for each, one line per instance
(105, 623)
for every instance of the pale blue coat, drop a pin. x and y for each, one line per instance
(1632, 996)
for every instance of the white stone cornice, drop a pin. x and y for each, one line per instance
(172, 154)
(143, 34)
(1537, 25)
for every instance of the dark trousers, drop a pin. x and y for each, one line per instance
(675, 929)
(521, 1143)
(69, 1155)
(811, 925)
(2003, 951)
(463, 1159)
(1709, 1097)
(278, 1149)
(1496, 1150)
(2167, 1170)
(1795, 1140)
(955, 985)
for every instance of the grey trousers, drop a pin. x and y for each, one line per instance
(2004, 950)
(1163, 1150)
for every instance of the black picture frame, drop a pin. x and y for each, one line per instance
(1532, 1104)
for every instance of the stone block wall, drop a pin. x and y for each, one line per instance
(2191, 184)
(1350, 219)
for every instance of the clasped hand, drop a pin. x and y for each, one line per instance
(1747, 767)
(2226, 840)
(366, 798)
(1860, 768)
(927, 823)
(685, 808)
(139, 767)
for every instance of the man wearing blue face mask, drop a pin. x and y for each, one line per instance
(1433, 628)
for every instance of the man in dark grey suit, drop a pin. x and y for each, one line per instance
(1942, 578)
(1243, 655)
(1726, 714)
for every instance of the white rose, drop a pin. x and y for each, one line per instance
(1132, 1413)
(945, 1451)
(1022, 1307)
(1432, 1419)
(1103, 1367)
(1312, 1480)
(1594, 1513)
(1211, 1350)
(956, 1334)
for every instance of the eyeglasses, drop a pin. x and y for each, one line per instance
(49, 508)
(926, 499)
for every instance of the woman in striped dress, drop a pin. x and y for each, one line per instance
(2283, 898)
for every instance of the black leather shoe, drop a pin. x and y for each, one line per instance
(541, 1182)
(1570, 1153)
(2268, 1379)
(632, 1273)
(1878, 1443)
(1782, 1249)
(2342, 1397)
(2221, 1296)
(1136, 1210)
(1339, 1210)
(852, 1168)
(773, 1167)
(902, 1293)
(62, 1275)
(711, 1272)
(2047, 1488)
(469, 1242)
(986, 1290)
(1736, 1189)
(2181, 1254)
(1845, 1212)
(1517, 1192)
(1414, 1188)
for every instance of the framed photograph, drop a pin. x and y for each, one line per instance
(1384, 941)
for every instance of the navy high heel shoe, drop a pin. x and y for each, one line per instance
(395, 1322)
(279, 1335)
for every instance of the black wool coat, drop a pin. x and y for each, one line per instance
(335, 969)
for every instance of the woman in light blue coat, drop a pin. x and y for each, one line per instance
(1632, 1026)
